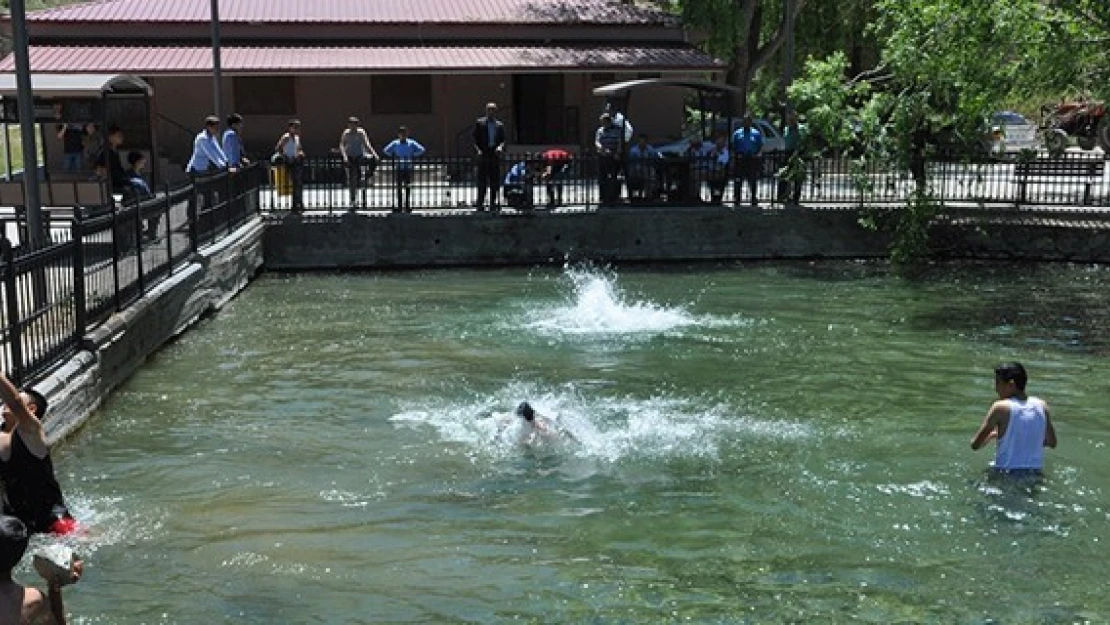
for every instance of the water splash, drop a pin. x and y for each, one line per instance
(597, 305)
(608, 428)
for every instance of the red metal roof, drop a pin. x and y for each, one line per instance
(362, 11)
(145, 60)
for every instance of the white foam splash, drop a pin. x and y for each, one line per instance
(609, 429)
(598, 306)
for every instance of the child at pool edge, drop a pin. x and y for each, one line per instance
(19, 604)
(1021, 424)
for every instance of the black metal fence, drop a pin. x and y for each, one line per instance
(101, 259)
(587, 181)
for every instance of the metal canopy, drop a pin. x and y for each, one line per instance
(45, 86)
(622, 88)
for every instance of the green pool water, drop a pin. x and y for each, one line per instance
(757, 443)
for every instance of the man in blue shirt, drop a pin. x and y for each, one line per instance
(643, 167)
(233, 143)
(747, 143)
(402, 150)
(208, 156)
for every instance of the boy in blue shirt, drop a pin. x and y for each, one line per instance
(403, 150)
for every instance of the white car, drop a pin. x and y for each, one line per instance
(772, 139)
(1011, 132)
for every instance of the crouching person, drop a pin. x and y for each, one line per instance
(518, 186)
(18, 603)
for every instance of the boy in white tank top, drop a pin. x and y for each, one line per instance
(1021, 424)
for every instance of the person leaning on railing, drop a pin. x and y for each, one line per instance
(359, 157)
(403, 150)
(643, 170)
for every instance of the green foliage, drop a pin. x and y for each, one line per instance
(945, 66)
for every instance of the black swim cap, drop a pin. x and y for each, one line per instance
(525, 410)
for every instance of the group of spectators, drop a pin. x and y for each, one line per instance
(711, 164)
(645, 171)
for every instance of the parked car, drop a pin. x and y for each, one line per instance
(772, 138)
(1012, 132)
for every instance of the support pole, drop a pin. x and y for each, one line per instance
(26, 103)
(217, 72)
(789, 19)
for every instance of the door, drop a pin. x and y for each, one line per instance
(538, 108)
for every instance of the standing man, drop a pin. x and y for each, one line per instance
(356, 149)
(793, 173)
(403, 150)
(747, 143)
(208, 156)
(71, 135)
(109, 166)
(31, 492)
(608, 141)
(233, 142)
(291, 153)
(489, 142)
(1021, 424)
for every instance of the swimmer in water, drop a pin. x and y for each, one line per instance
(537, 429)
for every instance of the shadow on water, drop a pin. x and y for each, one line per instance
(1019, 306)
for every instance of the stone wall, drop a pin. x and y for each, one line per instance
(608, 235)
(116, 349)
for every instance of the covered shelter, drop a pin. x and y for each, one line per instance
(62, 101)
(714, 100)
(430, 65)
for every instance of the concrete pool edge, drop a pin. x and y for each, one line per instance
(114, 351)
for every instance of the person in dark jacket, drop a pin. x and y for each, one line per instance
(489, 142)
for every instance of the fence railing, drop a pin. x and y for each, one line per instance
(588, 181)
(102, 259)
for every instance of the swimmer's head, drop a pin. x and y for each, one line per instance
(525, 410)
(13, 542)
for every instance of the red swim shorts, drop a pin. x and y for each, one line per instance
(65, 526)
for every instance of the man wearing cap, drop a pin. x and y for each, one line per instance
(357, 152)
(489, 141)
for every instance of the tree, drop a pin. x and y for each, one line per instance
(945, 65)
(746, 34)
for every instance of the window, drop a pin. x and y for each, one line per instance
(401, 95)
(265, 95)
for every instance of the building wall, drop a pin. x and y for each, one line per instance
(323, 104)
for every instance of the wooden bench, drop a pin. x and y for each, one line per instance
(1052, 171)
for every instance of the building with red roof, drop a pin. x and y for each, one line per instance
(428, 64)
